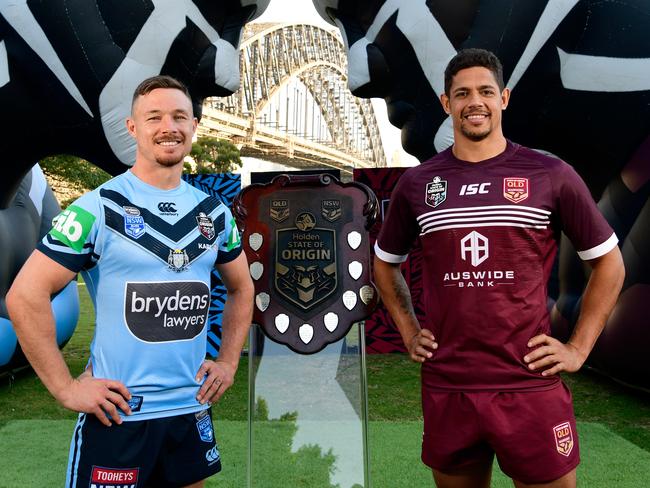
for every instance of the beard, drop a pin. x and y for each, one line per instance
(475, 136)
(169, 162)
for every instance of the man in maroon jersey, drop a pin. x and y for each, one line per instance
(489, 214)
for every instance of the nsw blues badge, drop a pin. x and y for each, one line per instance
(436, 192)
(134, 226)
(204, 425)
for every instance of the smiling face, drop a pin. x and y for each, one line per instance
(475, 104)
(163, 124)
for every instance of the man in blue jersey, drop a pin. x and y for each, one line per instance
(146, 243)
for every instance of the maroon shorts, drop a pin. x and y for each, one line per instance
(533, 434)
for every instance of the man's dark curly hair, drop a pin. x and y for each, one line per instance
(469, 58)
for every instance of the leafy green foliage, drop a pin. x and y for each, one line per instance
(78, 174)
(213, 155)
(83, 174)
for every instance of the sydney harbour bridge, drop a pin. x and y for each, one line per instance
(293, 105)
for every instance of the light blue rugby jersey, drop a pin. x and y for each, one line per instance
(146, 255)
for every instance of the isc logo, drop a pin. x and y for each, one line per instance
(474, 188)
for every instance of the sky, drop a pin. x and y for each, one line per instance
(292, 11)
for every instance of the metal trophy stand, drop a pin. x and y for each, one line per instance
(308, 250)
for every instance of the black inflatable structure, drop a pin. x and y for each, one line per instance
(579, 71)
(67, 74)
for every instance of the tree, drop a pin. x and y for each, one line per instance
(213, 155)
(70, 176)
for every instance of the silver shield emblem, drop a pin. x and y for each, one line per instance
(256, 269)
(262, 301)
(349, 299)
(331, 321)
(282, 322)
(367, 294)
(354, 239)
(255, 241)
(306, 332)
(355, 268)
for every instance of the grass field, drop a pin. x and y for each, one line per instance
(614, 425)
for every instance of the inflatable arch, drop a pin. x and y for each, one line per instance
(67, 75)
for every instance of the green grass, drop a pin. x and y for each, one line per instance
(614, 424)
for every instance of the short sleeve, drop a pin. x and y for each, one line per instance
(72, 240)
(580, 218)
(399, 229)
(229, 241)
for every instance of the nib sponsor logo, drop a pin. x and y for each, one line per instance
(166, 311)
(113, 478)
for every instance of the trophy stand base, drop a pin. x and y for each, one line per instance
(308, 414)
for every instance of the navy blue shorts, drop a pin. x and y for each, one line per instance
(165, 452)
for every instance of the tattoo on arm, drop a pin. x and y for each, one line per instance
(403, 296)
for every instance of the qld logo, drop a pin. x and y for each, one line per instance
(563, 438)
(515, 189)
(436, 192)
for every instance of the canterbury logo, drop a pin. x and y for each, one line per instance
(167, 207)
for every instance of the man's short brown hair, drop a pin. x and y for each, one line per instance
(159, 81)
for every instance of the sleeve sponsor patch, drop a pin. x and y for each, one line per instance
(72, 227)
(233, 238)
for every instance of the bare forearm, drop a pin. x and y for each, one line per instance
(396, 298)
(598, 301)
(31, 315)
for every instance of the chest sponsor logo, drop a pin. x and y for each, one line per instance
(515, 189)
(305, 262)
(113, 478)
(178, 260)
(166, 311)
(167, 208)
(134, 226)
(72, 226)
(331, 210)
(475, 249)
(436, 192)
(279, 210)
(206, 226)
(474, 189)
(563, 438)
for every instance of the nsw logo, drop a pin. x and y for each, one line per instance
(134, 226)
(72, 227)
(436, 192)
(204, 425)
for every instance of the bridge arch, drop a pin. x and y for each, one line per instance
(275, 57)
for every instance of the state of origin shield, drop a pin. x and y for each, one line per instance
(307, 246)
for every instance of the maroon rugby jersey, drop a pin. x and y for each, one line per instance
(489, 234)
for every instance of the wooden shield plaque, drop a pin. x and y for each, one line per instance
(306, 240)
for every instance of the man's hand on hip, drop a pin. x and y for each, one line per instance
(100, 397)
(219, 376)
(553, 356)
(422, 345)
